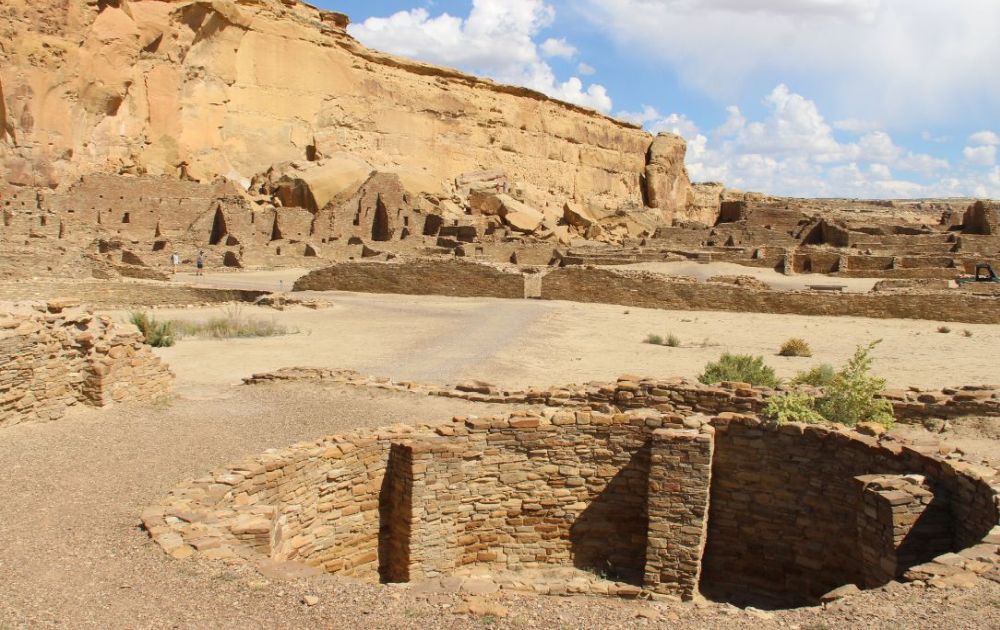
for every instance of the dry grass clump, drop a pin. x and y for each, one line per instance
(232, 324)
(795, 347)
(154, 332)
(671, 340)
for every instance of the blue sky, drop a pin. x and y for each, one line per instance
(853, 98)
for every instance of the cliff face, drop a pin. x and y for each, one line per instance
(206, 88)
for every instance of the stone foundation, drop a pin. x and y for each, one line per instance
(54, 356)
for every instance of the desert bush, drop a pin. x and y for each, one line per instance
(793, 407)
(672, 340)
(742, 368)
(819, 376)
(967, 332)
(851, 397)
(155, 333)
(795, 347)
(944, 329)
(233, 323)
(654, 340)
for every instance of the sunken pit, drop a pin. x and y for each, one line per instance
(658, 504)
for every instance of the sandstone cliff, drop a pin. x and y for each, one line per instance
(199, 89)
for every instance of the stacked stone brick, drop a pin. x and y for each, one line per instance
(55, 355)
(658, 501)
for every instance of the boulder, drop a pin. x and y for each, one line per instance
(578, 217)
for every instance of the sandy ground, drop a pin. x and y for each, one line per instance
(518, 343)
(704, 271)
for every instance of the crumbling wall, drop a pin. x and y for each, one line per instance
(54, 356)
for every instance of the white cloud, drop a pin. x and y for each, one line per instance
(558, 48)
(792, 151)
(981, 156)
(895, 60)
(856, 125)
(984, 138)
(497, 39)
(585, 69)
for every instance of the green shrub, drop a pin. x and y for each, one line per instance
(741, 368)
(654, 340)
(820, 376)
(794, 407)
(795, 347)
(672, 340)
(155, 333)
(851, 397)
(232, 324)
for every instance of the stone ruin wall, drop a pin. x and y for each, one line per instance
(639, 289)
(54, 356)
(417, 277)
(656, 291)
(655, 502)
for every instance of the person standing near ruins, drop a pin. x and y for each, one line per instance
(175, 260)
(199, 262)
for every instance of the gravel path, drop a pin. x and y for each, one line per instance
(72, 554)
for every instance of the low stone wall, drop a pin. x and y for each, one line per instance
(731, 506)
(647, 290)
(418, 277)
(118, 294)
(54, 356)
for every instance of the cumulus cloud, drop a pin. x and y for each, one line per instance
(497, 39)
(585, 69)
(984, 138)
(792, 150)
(558, 48)
(897, 60)
(981, 156)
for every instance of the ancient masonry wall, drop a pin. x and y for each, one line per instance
(98, 294)
(656, 502)
(417, 277)
(54, 356)
(646, 290)
(655, 291)
(791, 494)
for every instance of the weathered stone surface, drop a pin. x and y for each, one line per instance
(666, 179)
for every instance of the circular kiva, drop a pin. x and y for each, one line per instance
(731, 507)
